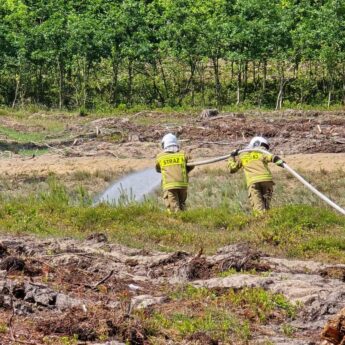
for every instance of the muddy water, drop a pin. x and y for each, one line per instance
(132, 187)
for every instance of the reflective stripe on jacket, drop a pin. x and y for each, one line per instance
(255, 166)
(173, 167)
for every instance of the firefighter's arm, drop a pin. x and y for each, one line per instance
(234, 164)
(187, 159)
(273, 159)
(189, 168)
(158, 167)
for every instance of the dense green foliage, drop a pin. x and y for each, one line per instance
(105, 53)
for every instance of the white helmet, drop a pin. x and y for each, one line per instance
(169, 140)
(257, 142)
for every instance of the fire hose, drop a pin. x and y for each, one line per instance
(285, 166)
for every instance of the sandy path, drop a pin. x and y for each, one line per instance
(46, 164)
(311, 162)
(50, 163)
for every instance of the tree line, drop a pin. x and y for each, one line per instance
(105, 53)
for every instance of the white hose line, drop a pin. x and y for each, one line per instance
(208, 161)
(221, 158)
(314, 190)
(290, 170)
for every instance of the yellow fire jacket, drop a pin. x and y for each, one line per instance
(173, 167)
(255, 166)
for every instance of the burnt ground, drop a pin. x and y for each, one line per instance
(93, 291)
(289, 132)
(139, 135)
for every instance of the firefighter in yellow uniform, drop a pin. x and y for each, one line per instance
(258, 176)
(172, 164)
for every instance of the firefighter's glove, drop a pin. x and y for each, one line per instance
(277, 160)
(235, 153)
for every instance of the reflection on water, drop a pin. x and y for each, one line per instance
(132, 187)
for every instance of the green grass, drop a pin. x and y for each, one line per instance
(299, 225)
(19, 136)
(216, 188)
(33, 152)
(301, 231)
(218, 323)
(223, 315)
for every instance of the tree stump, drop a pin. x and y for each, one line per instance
(207, 113)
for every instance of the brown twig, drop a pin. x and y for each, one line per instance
(219, 117)
(10, 322)
(25, 342)
(103, 280)
(112, 153)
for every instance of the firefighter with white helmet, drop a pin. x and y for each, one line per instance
(172, 164)
(258, 176)
(259, 141)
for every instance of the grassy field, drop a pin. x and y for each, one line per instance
(298, 225)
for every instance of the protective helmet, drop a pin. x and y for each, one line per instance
(169, 140)
(257, 142)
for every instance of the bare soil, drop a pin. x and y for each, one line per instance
(123, 144)
(92, 290)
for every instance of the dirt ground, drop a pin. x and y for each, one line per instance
(93, 290)
(59, 165)
(307, 140)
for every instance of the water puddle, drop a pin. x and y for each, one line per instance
(133, 187)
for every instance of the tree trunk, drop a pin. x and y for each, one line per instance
(330, 92)
(114, 80)
(190, 81)
(279, 102)
(245, 78)
(61, 83)
(41, 99)
(202, 83)
(263, 86)
(296, 69)
(130, 81)
(254, 74)
(193, 65)
(16, 91)
(158, 96)
(84, 82)
(239, 83)
(264, 79)
(217, 85)
(165, 83)
(343, 100)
